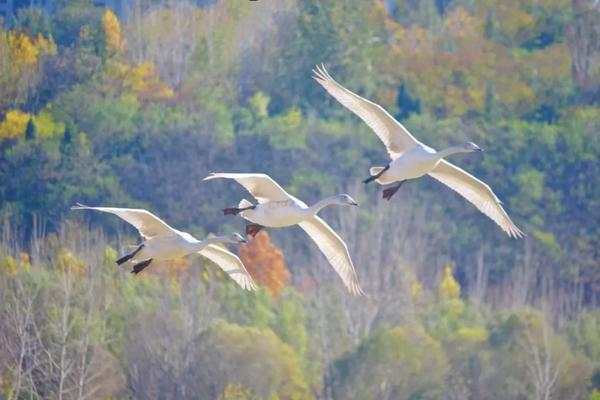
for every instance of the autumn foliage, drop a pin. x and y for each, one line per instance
(20, 57)
(266, 264)
(112, 32)
(449, 287)
(135, 111)
(172, 269)
(14, 124)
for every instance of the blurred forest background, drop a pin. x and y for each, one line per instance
(135, 111)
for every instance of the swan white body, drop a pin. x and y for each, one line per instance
(414, 163)
(163, 248)
(411, 159)
(162, 242)
(277, 214)
(277, 209)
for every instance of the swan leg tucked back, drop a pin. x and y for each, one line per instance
(411, 159)
(389, 192)
(253, 229)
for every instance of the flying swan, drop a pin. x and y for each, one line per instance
(161, 243)
(412, 159)
(277, 208)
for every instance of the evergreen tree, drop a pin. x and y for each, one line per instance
(30, 131)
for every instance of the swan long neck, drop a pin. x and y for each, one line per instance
(321, 204)
(451, 150)
(213, 240)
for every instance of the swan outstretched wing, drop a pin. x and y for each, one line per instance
(261, 186)
(477, 192)
(231, 264)
(147, 224)
(334, 249)
(396, 138)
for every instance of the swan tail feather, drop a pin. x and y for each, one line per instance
(375, 170)
(244, 204)
(375, 173)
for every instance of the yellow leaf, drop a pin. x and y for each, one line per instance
(112, 32)
(67, 262)
(416, 289)
(235, 392)
(8, 265)
(46, 126)
(475, 334)
(449, 288)
(14, 124)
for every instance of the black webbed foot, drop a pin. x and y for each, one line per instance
(236, 210)
(376, 176)
(389, 192)
(231, 211)
(128, 257)
(253, 229)
(137, 268)
(369, 179)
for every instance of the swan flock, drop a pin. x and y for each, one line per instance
(276, 208)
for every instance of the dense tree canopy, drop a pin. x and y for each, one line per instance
(135, 112)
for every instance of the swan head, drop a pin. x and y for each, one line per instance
(236, 238)
(345, 200)
(471, 147)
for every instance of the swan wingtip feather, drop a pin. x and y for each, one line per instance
(515, 233)
(79, 206)
(211, 175)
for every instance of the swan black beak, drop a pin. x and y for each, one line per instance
(355, 204)
(479, 149)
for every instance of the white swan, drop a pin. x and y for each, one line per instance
(277, 208)
(161, 243)
(412, 159)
